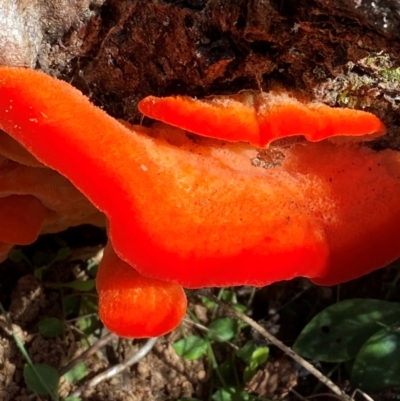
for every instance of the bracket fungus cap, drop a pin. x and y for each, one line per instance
(261, 117)
(197, 212)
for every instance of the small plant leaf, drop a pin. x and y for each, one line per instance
(38, 272)
(246, 352)
(48, 375)
(223, 329)
(76, 373)
(260, 356)
(62, 254)
(228, 296)
(253, 356)
(89, 322)
(377, 365)
(78, 285)
(208, 303)
(17, 255)
(192, 347)
(239, 307)
(222, 395)
(338, 332)
(51, 327)
(71, 304)
(72, 399)
(230, 394)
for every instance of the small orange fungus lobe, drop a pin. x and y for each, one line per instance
(134, 306)
(260, 118)
(22, 218)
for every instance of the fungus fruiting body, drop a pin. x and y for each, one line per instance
(197, 212)
(36, 200)
(260, 118)
(133, 305)
(22, 218)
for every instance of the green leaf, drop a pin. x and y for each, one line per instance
(48, 375)
(71, 304)
(38, 272)
(246, 352)
(208, 303)
(377, 365)
(62, 254)
(88, 324)
(192, 347)
(78, 285)
(253, 356)
(222, 395)
(223, 329)
(76, 373)
(51, 327)
(228, 296)
(260, 356)
(17, 255)
(72, 399)
(230, 394)
(249, 372)
(239, 307)
(337, 333)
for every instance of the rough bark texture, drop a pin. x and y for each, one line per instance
(342, 52)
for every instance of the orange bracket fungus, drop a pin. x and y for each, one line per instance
(194, 212)
(260, 118)
(35, 200)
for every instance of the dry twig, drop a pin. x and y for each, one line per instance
(115, 370)
(90, 351)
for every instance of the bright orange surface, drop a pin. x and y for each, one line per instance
(198, 213)
(131, 305)
(233, 120)
(260, 118)
(22, 218)
(14, 151)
